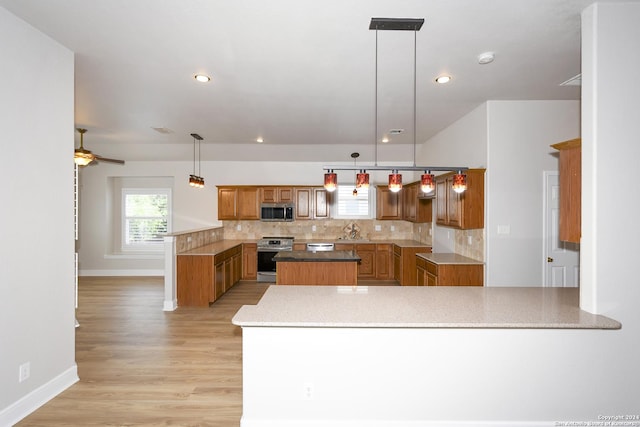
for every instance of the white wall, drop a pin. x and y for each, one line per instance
(464, 143)
(37, 269)
(519, 137)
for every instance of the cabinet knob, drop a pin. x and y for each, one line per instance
(549, 259)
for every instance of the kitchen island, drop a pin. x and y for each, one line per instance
(408, 356)
(317, 268)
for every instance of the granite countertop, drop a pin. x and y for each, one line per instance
(215, 248)
(320, 256)
(448, 258)
(401, 243)
(420, 307)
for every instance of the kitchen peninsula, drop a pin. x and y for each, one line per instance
(317, 268)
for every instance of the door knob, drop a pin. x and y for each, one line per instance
(549, 259)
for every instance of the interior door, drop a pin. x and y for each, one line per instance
(561, 259)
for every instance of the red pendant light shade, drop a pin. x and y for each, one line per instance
(330, 181)
(395, 181)
(459, 182)
(427, 182)
(362, 179)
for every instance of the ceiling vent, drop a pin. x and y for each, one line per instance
(163, 130)
(395, 131)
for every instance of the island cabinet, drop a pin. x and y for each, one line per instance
(404, 263)
(311, 203)
(202, 279)
(570, 189)
(249, 261)
(460, 210)
(276, 194)
(449, 270)
(238, 203)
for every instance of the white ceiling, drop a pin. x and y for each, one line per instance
(297, 71)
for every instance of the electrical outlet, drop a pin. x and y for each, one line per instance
(393, 228)
(24, 371)
(430, 232)
(307, 391)
(189, 239)
(314, 228)
(378, 228)
(470, 240)
(239, 227)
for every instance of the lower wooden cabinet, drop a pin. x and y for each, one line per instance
(404, 264)
(249, 261)
(432, 274)
(376, 261)
(202, 279)
(384, 261)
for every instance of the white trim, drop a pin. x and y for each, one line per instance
(118, 273)
(170, 305)
(244, 422)
(157, 255)
(15, 412)
(170, 272)
(546, 175)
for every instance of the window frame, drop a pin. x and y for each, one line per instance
(146, 247)
(371, 200)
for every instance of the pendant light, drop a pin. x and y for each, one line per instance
(196, 181)
(330, 181)
(427, 182)
(459, 182)
(362, 177)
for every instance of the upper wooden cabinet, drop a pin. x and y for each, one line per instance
(388, 203)
(238, 203)
(277, 194)
(570, 189)
(460, 210)
(312, 203)
(415, 209)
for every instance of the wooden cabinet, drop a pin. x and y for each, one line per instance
(367, 266)
(376, 260)
(275, 194)
(202, 279)
(388, 203)
(299, 247)
(343, 246)
(431, 274)
(237, 203)
(460, 210)
(404, 264)
(249, 261)
(415, 209)
(312, 203)
(384, 262)
(570, 189)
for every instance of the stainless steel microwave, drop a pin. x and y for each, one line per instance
(276, 212)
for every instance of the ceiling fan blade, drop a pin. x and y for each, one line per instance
(106, 159)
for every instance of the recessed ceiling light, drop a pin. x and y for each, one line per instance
(443, 79)
(385, 140)
(202, 78)
(259, 140)
(486, 58)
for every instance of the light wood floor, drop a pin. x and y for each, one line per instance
(141, 366)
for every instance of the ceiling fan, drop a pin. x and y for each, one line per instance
(83, 157)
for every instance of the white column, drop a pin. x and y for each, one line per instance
(170, 297)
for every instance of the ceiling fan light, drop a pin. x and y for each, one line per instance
(83, 157)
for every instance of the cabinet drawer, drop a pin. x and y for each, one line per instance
(431, 268)
(365, 247)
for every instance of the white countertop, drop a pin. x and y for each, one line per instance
(448, 258)
(420, 307)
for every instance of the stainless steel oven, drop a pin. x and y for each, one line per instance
(268, 247)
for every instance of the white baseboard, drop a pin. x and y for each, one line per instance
(38, 397)
(170, 305)
(120, 273)
(389, 423)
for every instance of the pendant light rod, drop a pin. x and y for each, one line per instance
(415, 44)
(376, 102)
(398, 168)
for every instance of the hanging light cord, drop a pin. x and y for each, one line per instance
(199, 158)
(194, 155)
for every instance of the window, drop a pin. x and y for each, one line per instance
(349, 206)
(146, 218)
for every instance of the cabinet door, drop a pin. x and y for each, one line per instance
(227, 203)
(304, 207)
(397, 267)
(249, 203)
(454, 206)
(321, 203)
(228, 274)
(269, 194)
(237, 268)
(431, 280)
(299, 246)
(421, 276)
(249, 261)
(285, 194)
(442, 194)
(218, 281)
(367, 266)
(409, 202)
(388, 203)
(384, 263)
